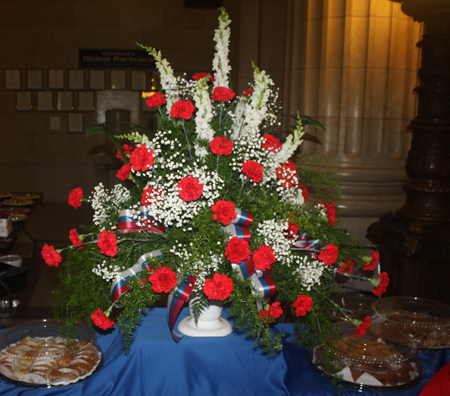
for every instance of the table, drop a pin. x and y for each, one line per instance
(225, 366)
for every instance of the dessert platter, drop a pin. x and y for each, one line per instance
(5, 195)
(40, 356)
(17, 210)
(427, 322)
(381, 359)
(26, 196)
(18, 202)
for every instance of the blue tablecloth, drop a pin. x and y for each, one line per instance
(206, 366)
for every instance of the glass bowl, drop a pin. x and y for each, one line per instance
(381, 359)
(427, 322)
(36, 354)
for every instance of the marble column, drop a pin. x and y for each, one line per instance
(352, 64)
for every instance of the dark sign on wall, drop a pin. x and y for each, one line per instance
(114, 58)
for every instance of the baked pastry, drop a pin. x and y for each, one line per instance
(48, 360)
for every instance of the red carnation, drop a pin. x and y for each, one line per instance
(107, 243)
(263, 257)
(75, 197)
(373, 263)
(382, 286)
(126, 150)
(163, 280)
(219, 287)
(50, 256)
(302, 305)
(221, 146)
(124, 172)
(182, 109)
(75, 239)
(156, 100)
(292, 229)
(287, 174)
(329, 255)
(347, 267)
(362, 328)
(237, 250)
(248, 92)
(142, 158)
(253, 170)
(305, 193)
(101, 320)
(150, 194)
(199, 76)
(331, 212)
(271, 143)
(189, 188)
(274, 312)
(222, 94)
(224, 211)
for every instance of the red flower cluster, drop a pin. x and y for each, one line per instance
(373, 263)
(221, 146)
(347, 267)
(237, 250)
(263, 257)
(75, 196)
(182, 109)
(189, 188)
(287, 174)
(271, 143)
(163, 280)
(75, 239)
(248, 92)
(302, 305)
(253, 171)
(199, 76)
(141, 158)
(362, 328)
(219, 287)
(101, 320)
(156, 100)
(107, 243)
(124, 172)
(329, 255)
(274, 312)
(50, 257)
(331, 212)
(127, 149)
(149, 193)
(222, 94)
(384, 282)
(305, 193)
(224, 211)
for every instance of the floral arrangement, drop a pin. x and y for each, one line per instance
(211, 206)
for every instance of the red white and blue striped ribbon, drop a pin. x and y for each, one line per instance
(119, 287)
(243, 218)
(312, 247)
(128, 221)
(175, 302)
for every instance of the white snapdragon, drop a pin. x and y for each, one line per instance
(203, 115)
(291, 144)
(220, 64)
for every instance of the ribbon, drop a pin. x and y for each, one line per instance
(175, 302)
(128, 222)
(119, 287)
(312, 247)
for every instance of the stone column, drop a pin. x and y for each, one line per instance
(415, 241)
(352, 64)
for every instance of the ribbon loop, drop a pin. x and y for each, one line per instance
(312, 247)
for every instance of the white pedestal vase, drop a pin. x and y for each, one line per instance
(209, 324)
